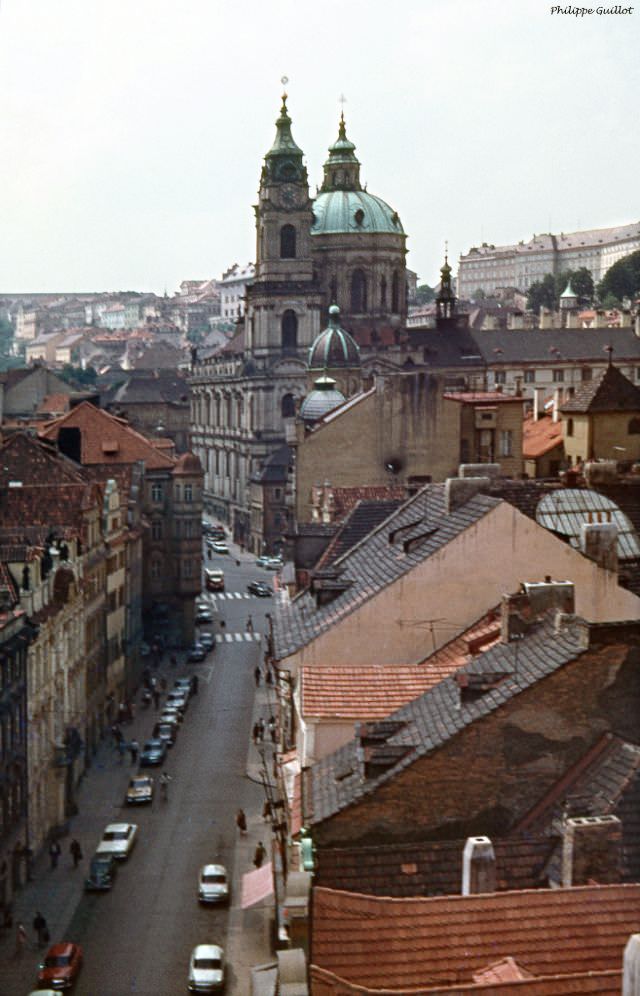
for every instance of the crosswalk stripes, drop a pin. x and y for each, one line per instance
(237, 637)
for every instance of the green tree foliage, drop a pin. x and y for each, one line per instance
(542, 293)
(78, 377)
(425, 294)
(581, 284)
(622, 279)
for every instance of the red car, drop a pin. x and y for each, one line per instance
(61, 965)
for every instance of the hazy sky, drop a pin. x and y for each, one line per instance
(132, 131)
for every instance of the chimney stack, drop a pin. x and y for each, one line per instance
(591, 850)
(478, 866)
(599, 542)
(520, 610)
(459, 490)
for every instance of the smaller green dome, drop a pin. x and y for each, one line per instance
(334, 347)
(323, 399)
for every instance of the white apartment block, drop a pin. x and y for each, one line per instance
(233, 287)
(489, 267)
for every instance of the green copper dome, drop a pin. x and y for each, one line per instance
(342, 205)
(334, 347)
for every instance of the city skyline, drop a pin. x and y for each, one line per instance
(136, 137)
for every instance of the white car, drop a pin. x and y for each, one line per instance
(118, 839)
(206, 969)
(219, 547)
(213, 884)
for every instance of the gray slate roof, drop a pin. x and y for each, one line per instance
(338, 781)
(375, 563)
(533, 345)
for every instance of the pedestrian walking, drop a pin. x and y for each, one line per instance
(260, 854)
(194, 684)
(156, 698)
(257, 675)
(54, 853)
(272, 728)
(21, 940)
(116, 733)
(173, 660)
(255, 733)
(250, 625)
(76, 852)
(266, 810)
(268, 676)
(121, 749)
(40, 927)
(241, 821)
(134, 747)
(261, 728)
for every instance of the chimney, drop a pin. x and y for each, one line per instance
(591, 850)
(521, 610)
(536, 404)
(600, 472)
(546, 319)
(478, 866)
(491, 470)
(636, 324)
(631, 967)
(459, 490)
(599, 542)
(556, 405)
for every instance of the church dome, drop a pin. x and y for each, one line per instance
(334, 347)
(324, 398)
(342, 205)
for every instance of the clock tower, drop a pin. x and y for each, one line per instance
(284, 302)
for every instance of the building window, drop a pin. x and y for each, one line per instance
(287, 242)
(188, 492)
(500, 377)
(506, 443)
(358, 292)
(383, 293)
(156, 569)
(569, 427)
(289, 330)
(529, 376)
(586, 373)
(395, 292)
(634, 427)
(558, 376)
(187, 569)
(277, 494)
(156, 492)
(288, 406)
(156, 529)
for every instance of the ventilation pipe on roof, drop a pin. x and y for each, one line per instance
(631, 967)
(599, 542)
(478, 866)
(591, 850)
(536, 404)
(556, 405)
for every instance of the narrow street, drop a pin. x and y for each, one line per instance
(138, 937)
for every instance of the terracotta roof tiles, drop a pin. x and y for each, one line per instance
(539, 436)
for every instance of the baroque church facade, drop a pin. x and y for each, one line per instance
(343, 247)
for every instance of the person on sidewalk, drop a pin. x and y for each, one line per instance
(76, 852)
(249, 625)
(259, 854)
(134, 747)
(21, 940)
(272, 729)
(40, 927)
(241, 822)
(255, 733)
(257, 675)
(54, 854)
(156, 699)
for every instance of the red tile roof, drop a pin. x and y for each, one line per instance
(99, 429)
(373, 691)
(505, 970)
(540, 436)
(397, 944)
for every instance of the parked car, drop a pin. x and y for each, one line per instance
(219, 546)
(274, 563)
(153, 753)
(171, 714)
(140, 790)
(208, 641)
(118, 839)
(262, 562)
(197, 652)
(203, 615)
(206, 969)
(178, 698)
(183, 685)
(213, 884)
(166, 731)
(102, 872)
(259, 588)
(61, 966)
(213, 579)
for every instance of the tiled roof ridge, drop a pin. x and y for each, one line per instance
(503, 898)
(122, 423)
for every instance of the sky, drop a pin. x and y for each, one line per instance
(132, 132)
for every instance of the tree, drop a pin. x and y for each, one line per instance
(542, 293)
(581, 284)
(622, 279)
(78, 376)
(425, 294)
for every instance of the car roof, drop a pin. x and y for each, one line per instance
(153, 742)
(111, 827)
(141, 778)
(207, 951)
(213, 870)
(62, 948)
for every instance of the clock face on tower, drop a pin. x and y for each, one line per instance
(290, 196)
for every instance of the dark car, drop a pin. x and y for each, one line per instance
(165, 731)
(208, 641)
(197, 652)
(259, 588)
(60, 967)
(183, 685)
(204, 616)
(154, 752)
(102, 872)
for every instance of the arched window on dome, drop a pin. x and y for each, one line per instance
(395, 292)
(288, 406)
(383, 293)
(289, 328)
(287, 242)
(358, 292)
